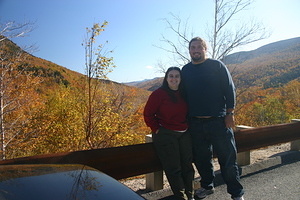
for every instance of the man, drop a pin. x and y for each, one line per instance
(210, 95)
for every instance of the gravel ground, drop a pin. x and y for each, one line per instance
(138, 184)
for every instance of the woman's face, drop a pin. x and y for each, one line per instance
(173, 79)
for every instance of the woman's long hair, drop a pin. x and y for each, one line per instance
(165, 85)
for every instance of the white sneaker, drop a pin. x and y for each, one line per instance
(239, 198)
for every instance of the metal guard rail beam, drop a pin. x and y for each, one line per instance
(255, 138)
(133, 160)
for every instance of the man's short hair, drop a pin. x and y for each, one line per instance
(203, 43)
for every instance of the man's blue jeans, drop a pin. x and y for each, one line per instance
(208, 136)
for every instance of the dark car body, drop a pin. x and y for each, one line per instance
(60, 182)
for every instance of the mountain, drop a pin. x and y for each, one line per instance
(148, 84)
(288, 45)
(52, 75)
(271, 65)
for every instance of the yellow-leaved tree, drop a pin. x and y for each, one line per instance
(97, 66)
(18, 97)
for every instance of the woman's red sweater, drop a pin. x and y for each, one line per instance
(161, 111)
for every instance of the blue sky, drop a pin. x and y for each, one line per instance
(135, 28)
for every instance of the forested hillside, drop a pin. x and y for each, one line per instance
(272, 65)
(288, 46)
(44, 108)
(268, 83)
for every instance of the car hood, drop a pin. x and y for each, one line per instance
(55, 182)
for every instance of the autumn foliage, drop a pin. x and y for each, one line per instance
(44, 105)
(45, 108)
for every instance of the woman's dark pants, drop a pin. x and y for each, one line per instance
(174, 150)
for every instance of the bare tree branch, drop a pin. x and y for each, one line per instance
(224, 40)
(175, 48)
(14, 30)
(221, 36)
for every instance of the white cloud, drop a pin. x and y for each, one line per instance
(149, 67)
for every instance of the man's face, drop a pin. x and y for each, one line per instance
(197, 52)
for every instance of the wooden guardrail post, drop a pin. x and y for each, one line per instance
(295, 145)
(154, 180)
(243, 158)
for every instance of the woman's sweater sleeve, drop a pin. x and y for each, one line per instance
(150, 111)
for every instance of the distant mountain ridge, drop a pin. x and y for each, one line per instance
(53, 74)
(272, 48)
(271, 65)
(148, 84)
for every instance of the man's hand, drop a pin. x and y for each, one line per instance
(229, 121)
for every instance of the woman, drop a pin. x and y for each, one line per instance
(166, 114)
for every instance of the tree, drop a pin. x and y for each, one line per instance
(222, 37)
(97, 66)
(177, 49)
(17, 85)
(59, 123)
(12, 29)
(290, 93)
(271, 110)
(223, 40)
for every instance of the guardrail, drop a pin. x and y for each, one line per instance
(133, 160)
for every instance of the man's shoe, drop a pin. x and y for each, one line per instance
(202, 192)
(239, 198)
